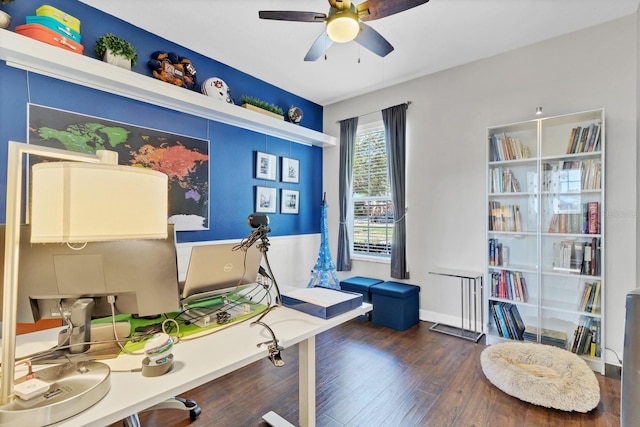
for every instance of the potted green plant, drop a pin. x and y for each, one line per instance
(5, 18)
(116, 50)
(256, 104)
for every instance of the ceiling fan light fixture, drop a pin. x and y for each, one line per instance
(343, 26)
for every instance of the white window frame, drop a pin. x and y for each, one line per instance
(371, 256)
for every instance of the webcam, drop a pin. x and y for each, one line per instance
(256, 220)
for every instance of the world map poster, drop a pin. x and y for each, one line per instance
(184, 159)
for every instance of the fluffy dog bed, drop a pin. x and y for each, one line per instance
(541, 374)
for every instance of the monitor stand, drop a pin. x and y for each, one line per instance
(82, 382)
(79, 339)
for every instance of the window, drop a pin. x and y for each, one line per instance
(372, 206)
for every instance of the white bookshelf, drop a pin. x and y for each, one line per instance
(551, 189)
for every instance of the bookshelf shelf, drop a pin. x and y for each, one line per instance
(549, 224)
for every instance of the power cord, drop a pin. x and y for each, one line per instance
(616, 354)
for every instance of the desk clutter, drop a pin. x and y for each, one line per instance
(54, 27)
(395, 305)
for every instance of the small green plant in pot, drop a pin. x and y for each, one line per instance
(272, 108)
(116, 50)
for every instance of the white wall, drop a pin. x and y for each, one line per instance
(447, 122)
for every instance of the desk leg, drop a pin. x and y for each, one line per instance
(307, 382)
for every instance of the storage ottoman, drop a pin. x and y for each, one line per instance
(395, 305)
(361, 285)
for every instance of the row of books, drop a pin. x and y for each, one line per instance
(584, 139)
(503, 181)
(509, 285)
(585, 221)
(504, 218)
(578, 257)
(586, 337)
(507, 320)
(547, 336)
(504, 147)
(590, 297)
(498, 254)
(572, 176)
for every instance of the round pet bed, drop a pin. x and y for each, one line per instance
(541, 374)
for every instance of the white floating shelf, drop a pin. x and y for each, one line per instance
(32, 55)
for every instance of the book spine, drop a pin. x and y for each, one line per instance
(495, 318)
(519, 324)
(593, 212)
(594, 243)
(492, 251)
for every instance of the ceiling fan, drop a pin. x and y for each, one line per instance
(345, 23)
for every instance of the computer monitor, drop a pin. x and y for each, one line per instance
(142, 276)
(217, 269)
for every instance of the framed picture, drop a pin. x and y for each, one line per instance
(290, 201)
(290, 170)
(265, 199)
(266, 166)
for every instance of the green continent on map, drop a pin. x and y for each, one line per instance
(87, 137)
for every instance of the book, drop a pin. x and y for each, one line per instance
(586, 294)
(586, 264)
(517, 320)
(504, 255)
(595, 145)
(594, 243)
(503, 307)
(582, 141)
(578, 258)
(593, 217)
(501, 324)
(574, 142)
(492, 307)
(547, 336)
(596, 298)
(322, 302)
(492, 251)
(571, 137)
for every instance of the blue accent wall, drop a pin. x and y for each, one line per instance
(232, 149)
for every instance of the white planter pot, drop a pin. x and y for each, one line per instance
(117, 60)
(5, 19)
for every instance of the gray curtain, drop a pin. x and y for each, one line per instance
(348, 130)
(395, 130)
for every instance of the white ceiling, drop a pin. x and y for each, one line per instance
(432, 37)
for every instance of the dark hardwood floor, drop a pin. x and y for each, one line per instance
(369, 375)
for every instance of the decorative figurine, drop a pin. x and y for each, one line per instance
(324, 272)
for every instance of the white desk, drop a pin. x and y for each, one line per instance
(201, 360)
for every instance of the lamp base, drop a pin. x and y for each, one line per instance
(73, 387)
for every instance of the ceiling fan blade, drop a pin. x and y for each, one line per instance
(373, 40)
(319, 47)
(376, 9)
(292, 15)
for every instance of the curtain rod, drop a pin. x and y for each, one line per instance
(373, 112)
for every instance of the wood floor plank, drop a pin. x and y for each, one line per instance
(369, 375)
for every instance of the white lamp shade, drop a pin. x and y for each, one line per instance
(84, 202)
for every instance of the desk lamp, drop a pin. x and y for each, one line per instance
(84, 198)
